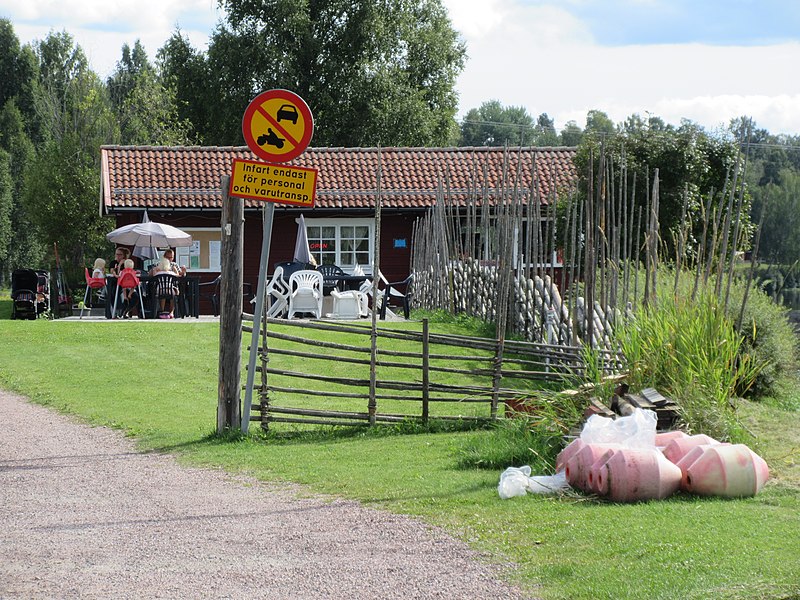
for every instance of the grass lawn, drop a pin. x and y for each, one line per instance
(157, 382)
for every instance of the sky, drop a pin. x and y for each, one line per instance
(704, 60)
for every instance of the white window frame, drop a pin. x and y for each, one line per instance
(338, 223)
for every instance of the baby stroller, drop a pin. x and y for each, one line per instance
(30, 293)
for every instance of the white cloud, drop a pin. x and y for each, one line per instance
(101, 27)
(130, 15)
(475, 18)
(545, 60)
(538, 56)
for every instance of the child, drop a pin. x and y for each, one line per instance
(127, 292)
(99, 269)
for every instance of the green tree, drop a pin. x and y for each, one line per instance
(18, 73)
(688, 158)
(185, 71)
(146, 109)
(131, 65)
(780, 236)
(19, 242)
(599, 124)
(6, 206)
(496, 125)
(371, 72)
(545, 131)
(572, 134)
(24, 249)
(61, 184)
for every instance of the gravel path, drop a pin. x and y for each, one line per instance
(83, 515)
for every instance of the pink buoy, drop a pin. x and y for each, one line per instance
(577, 469)
(665, 437)
(634, 474)
(594, 470)
(680, 447)
(728, 470)
(568, 452)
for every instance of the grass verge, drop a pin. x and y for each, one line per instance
(157, 382)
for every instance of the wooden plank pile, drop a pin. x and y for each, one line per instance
(622, 403)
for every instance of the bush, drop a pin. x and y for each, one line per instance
(768, 338)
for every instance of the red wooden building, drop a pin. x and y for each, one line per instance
(181, 186)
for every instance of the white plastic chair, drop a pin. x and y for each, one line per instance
(278, 294)
(306, 293)
(347, 305)
(366, 290)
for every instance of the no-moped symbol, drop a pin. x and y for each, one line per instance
(278, 126)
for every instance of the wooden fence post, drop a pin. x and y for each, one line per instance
(426, 384)
(230, 314)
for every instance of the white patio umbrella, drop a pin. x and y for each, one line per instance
(302, 253)
(145, 252)
(150, 234)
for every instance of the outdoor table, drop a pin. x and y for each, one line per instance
(350, 282)
(187, 304)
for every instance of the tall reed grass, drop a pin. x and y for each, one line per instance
(690, 351)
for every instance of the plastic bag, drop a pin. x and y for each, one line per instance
(516, 481)
(637, 430)
(547, 484)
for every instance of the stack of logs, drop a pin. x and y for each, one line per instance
(622, 404)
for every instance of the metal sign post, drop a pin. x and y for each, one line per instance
(277, 126)
(269, 214)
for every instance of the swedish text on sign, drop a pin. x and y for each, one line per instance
(273, 183)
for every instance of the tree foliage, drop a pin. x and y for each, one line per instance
(6, 205)
(371, 72)
(146, 107)
(18, 71)
(184, 71)
(62, 186)
(61, 183)
(689, 161)
(496, 125)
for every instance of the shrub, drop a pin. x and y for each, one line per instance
(768, 338)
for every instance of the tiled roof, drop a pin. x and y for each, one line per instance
(138, 177)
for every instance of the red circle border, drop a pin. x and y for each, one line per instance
(255, 103)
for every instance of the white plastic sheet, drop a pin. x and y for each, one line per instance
(637, 430)
(516, 481)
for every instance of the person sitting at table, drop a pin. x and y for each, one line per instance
(99, 271)
(164, 266)
(169, 255)
(120, 256)
(128, 293)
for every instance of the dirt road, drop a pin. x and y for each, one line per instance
(83, 515)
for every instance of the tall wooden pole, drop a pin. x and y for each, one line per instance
(230, 316)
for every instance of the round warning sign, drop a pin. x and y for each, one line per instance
(277, 125)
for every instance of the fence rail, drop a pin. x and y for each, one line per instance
(441, 377)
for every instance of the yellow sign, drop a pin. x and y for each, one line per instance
(277, 125)
(273, 183)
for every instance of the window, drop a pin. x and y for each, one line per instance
(343, 242)
(204, 253)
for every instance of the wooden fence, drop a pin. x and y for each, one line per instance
(399, 374)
